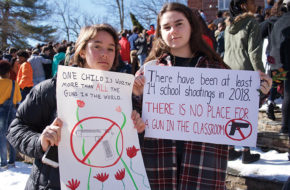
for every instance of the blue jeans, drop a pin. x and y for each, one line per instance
(7, 114)
(142, 58)
(3, 151)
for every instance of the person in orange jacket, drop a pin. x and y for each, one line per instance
(25, 73)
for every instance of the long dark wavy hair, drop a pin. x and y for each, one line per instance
(197, 44)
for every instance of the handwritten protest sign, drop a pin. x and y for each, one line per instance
(205, 105)
(99, 146)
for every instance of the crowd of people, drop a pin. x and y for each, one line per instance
(183, 37)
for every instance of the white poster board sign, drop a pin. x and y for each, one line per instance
(99, 146)
(205, 105)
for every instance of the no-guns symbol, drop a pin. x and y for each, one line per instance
(99, 136)
(239, 129)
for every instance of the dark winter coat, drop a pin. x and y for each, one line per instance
(36, 112)
(278, 36)
(141, 43)
(243, 44)
(266, 29)
(285, 47)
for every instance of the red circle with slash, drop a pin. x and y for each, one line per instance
(114, 124)
(243, 136)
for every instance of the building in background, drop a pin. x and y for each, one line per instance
(211, 7)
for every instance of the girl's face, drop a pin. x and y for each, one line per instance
(99, 52)
(175, 30)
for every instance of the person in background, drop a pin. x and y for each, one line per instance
(244, 33)
(207, 34)
(133, 49)
(11, 54)
(69, 54)
(52, 52)
(25, 74)
(280, 44)
(10, 96)
(201, 12)
(64, 42)
(271, 68)
(226, 14)
(151, 31)
(37, 48)
(133, 37)
(141, 43)
(269, 5)
(219, 18)
(124, 48)
(243, 51)
(221, 39)
(173, 164)
(259, 15)
(45, 53)
(212, 27)
(37, 127)
(58, 59)
(15, 68)
(36, 61)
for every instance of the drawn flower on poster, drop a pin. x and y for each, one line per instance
(73, 184)
(80, 103)
(132, 151)
(80, 127)
(102, 178)
(120, 176)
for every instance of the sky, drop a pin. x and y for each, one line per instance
(101, 10)
(271, 166)
(89, 6)
(86, 6)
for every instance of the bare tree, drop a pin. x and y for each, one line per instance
(70, 19)
(146, 11)
(64, 14)
(119, 6)
(84, 20)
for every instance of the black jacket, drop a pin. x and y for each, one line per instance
(266, 29)
(36, 112)
(141, 43)
(285, 47)
(278, 36)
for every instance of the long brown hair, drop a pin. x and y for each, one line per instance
(89, 32)
(197, 44)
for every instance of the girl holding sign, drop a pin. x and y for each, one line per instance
(36, 126)
(172, 164)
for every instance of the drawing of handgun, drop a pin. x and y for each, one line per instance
(97, 134)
